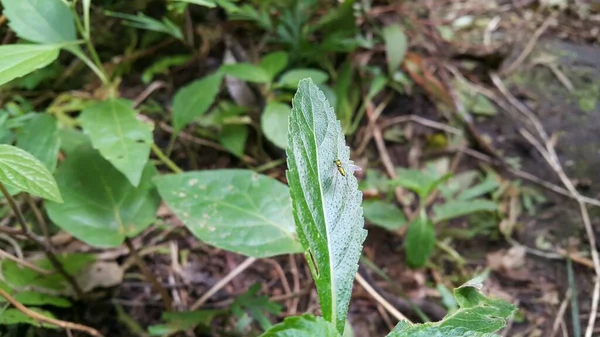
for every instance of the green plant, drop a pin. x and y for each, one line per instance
(329, 222)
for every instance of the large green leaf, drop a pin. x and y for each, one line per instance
(119, 136)
(42, 21)
(237, 210)
(101, 206)
(455, 208)
(326, 203)
(478, 316)
(40, 138)
(18, 60)
(194, 99)
(23, 171)
(419, 241)
(274, 123)
(306, 325)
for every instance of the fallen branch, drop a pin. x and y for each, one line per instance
(44, 319)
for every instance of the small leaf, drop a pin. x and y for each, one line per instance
(274, 63)
(41, 21)
(194, 99)
(23, 171)
(274, 123)
(326, 203)
(419, 182)
(18, 277)
(291, 78)
(383, 214)
(233, 138)
(246, 72)
(142, 21)
(101, 206)
(119, 136)
(395, 46)
(487, 186)
(478, 316)
(306, 325)
(419, 241)
(12, 316)
(182, 321)
(236, 210)
(455, 208)
(18, 60)
(34, 298)
(40, 138)
(162, 65)
(256, 306)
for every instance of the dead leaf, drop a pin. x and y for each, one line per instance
(100, 274)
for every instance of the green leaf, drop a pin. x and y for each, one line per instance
(119, 136)
(142, 21)
(18, 277)
(306, 325)
(383, 214)
(291, 78)
(395, 46)
(205, 3)
(162, 65)
(13, 316)
(71, 139)
(487, 186)
(478, 316)
(41, 21)
(23, 171)
(326, 204)
(101, 206)
(236, 210)
(274, 123)
(455, 208)
(233, 138)
(182, 321)
(34, 298)
(40, 138)
(194, 99)
(419, 241)
(420, 182)
(274, 63)
(86, 17)
(256, 306)
(246, 72)
(18, 60)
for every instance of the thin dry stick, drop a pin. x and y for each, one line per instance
(422, 121)
(24, 263)
(41, 243)
(561, 313)
(223, 282)
(548, 152)
(41, 318)
(294, 270)
(528, 176)
(529, 47)
(39, 217)
(387, 161)
(149, 276)
(281, 274)
(390, 308)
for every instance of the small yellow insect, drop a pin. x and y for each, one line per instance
(340, 168)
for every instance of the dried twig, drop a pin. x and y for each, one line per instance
(529, 46)
(390, 308)
(25, 263)
(561, 312)
(223, 282)
(41, 318)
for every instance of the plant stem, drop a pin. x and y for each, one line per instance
(149, 276)
(41, 243)
(163, 158)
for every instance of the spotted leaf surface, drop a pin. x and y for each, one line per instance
(237, 210)
(327, 203)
